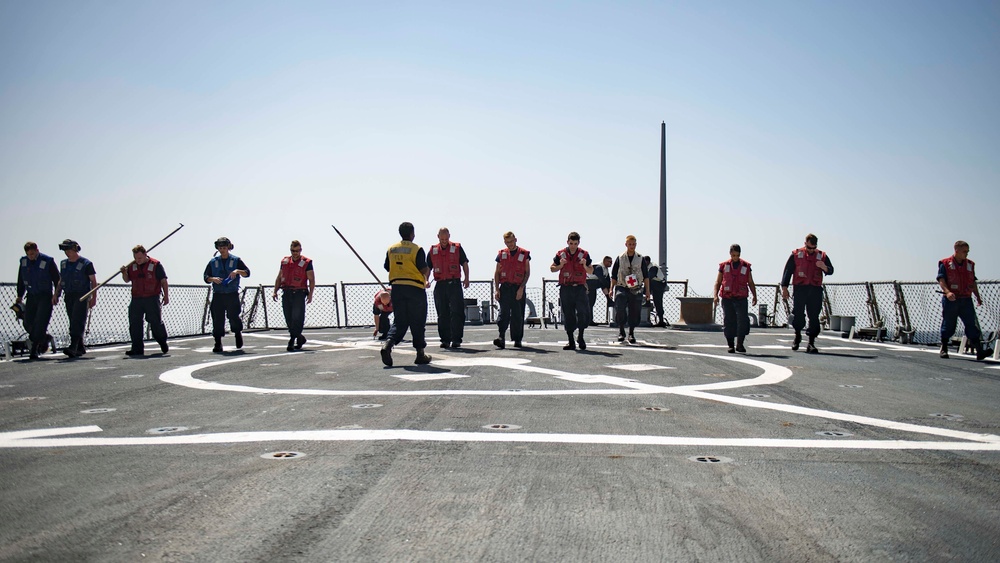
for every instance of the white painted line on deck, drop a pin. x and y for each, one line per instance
(771, 375)
(48, 438)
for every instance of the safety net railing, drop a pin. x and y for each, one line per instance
(905, 311)
(358, 299)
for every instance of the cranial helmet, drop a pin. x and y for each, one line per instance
(69, 244)
(223, 241)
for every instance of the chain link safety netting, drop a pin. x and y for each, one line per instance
(358, 299)
(262, 310)
(108, 321)
(908, 311)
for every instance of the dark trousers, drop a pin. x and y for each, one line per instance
(383, 325)
(627, 302)
(960, 308)
(511, 312)
(658, 289)
(225, 305)
(593, 288)
(293, 303)
(449, 302)
(148, 307)
(409, 307)
(37, 314)
(575, 307)
(77, 314)
(807, 299)
(736, 321)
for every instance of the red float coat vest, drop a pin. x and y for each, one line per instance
(806, 272)
(573, 273)
(293, 274)
(143, 278)
(385, 308)
(959, 277)
(735, 281)
(446, 262)
(512, 265)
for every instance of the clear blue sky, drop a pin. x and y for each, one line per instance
(873, 124)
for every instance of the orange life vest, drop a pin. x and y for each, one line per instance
(143, 278)
(959, 277)
(293, 274)
(573, 273)
(513, 265)
(735, 280)
(806, 270)
(446, 261)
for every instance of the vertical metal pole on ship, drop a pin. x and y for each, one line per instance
(663, 200)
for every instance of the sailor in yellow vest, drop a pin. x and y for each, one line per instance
(407, 266)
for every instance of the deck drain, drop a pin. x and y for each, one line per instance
(166, 429)
(940, 379)
(283, 455)
(851, 386)
(513, 390)
(132, 376)
(834, 433)
(947, 416)
(30, 398)
(657, 409)
(366, 406)
(709, 459)
(756, 396)
(97, 411)
(501, 427)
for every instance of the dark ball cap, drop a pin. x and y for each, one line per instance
(69, 244)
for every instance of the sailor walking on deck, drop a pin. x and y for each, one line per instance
(450, 265)
(957, 278)
(37, 277)
(149, 280)
(224, 272)
(657, 286)
(76, 278)
(510, 277)
(805, 269)
(629, 283)
(297, 283)
(599, 282)
(573, 264)
(734, 283)
(407, 266)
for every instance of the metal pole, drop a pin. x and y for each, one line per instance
(343, 292)
(663, 199)
(338, 304)
(359, 257)
(91, 292)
